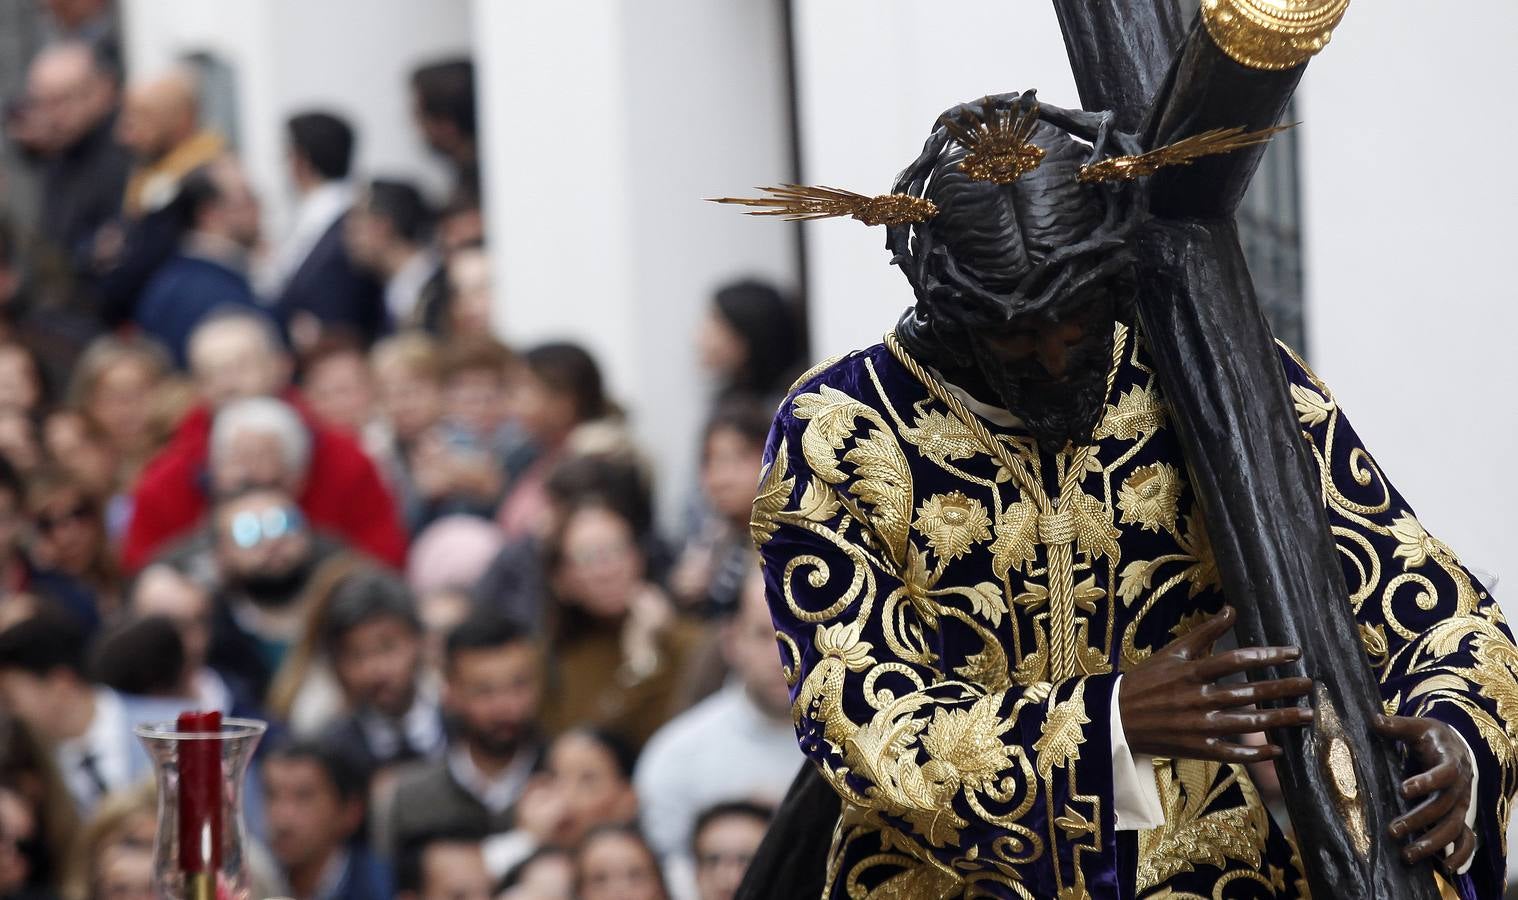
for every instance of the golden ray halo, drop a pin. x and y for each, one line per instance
(803, 203)
(998, 141)
(1181, 153)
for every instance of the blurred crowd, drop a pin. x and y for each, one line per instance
(291, 477)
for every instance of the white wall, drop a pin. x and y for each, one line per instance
(605, 123)
(1410, 211)
(1410, 315)
(351, 56)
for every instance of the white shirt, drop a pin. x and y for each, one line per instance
(210, 691)
(105, 742)
(404, 289)
(316, 212)
(422, 727)
(723, 748)
(496, 793)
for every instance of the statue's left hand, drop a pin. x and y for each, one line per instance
(1444, 779)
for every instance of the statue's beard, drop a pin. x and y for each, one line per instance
(1056, 411)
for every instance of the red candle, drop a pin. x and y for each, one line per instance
(200, 801)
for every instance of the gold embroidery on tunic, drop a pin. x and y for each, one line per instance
(1059, 579)
(1195, 832)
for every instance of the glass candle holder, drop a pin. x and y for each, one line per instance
(199, 852)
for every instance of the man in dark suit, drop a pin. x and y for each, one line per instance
(73, 95)
(389, 234)
(316, 798)
(371, 633)
(316, 283)
(88, 726)
(493, 690)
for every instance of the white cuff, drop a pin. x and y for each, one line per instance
(1470, 809)
(1135, 795)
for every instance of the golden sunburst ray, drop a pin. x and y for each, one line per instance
(1181, 153)
(998, 141)
(803, 203)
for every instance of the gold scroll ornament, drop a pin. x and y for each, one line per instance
(1338, 764)
(1272, 34)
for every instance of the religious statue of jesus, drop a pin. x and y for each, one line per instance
(998, 565)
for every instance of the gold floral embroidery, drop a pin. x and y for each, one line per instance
(967, 747)
(884, 752)
(1059, 742)
(1136, 412)
(1414, 545)
(1373, 638)
(953, 523)
(1016, 538)
(843, 643)
(941, 438)
(1094, 532)
(1150, 497)
(819, 503)
(1196, 832)
(883, 476)
(913, 752)
(1312, 408)
(774, 491)
(1433, 618)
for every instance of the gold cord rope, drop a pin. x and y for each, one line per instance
(1056, 520)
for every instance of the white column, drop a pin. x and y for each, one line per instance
(604, 123)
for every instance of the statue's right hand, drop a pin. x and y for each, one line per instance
(1172, 705)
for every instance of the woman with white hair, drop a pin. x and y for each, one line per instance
(259, 442)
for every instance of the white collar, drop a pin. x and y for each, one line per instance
(496, 793)
(323, 205)
(105, 728)
(404, 288)
(993, 414)
(315, 212)
(422, 724)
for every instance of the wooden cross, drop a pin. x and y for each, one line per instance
(1238, 65)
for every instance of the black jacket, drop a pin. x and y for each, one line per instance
(329, 287)
(81, 191)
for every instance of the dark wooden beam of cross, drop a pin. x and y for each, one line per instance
(1219, 367)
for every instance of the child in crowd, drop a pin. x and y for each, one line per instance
(465, 462)
(709, 575)
(560, 402)
(409, 390)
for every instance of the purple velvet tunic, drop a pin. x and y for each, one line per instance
(953, 617)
